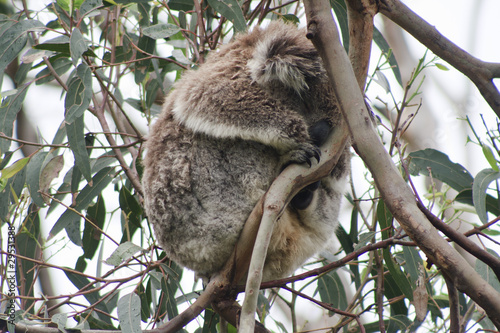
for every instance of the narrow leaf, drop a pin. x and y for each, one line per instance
(9, 108)
(379, 39)
(398, 275)
(91, 236)
(77, 45)
(162, 30)
(481, 183)
(123, 252)
(76, 139)
(49, 172)
(441, 168)
(89, 6)
(33, 177)
(231, 10)
(129, 313)
(331, 290)
(13, 40)
(79, 94)
(11, 170)
(27, 245)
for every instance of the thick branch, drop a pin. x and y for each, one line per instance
(360, 14)
(394, 190)
(480, 72)
(463, 241)
(288, 183)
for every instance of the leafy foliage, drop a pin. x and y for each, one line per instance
(74, 200)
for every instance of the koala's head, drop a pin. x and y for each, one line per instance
(284, 56)
(286, 63)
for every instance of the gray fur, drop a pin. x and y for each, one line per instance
(226, 131)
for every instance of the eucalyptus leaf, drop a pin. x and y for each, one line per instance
(441, 168)
(162, 30)
(123, 252)
(79, 94)
(231, 10)
(129, 313)
(14, 39)
(76, 139)
(9, 108)
(77, 45)
(479, 188)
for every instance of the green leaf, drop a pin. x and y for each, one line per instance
(69, 5)
(488, 153)
(481, 183)
(398, 275)
(162, 30)
(181, 5)
(392, 290)
(77, 45)
(82, 283)
(339, 8)
(146, 301)
(33, 177)
(132, 212)
(27, 245)
(60, 65)
(385, 219)
(11, 192)
(465, 197)
(412, 262)
(379, 39)
(76, 140)
(453, 174)
(231, 10)
(83, 200)
(364, 239)
(58, 44)
(89, 192)
(91, 236)
(14, 39)
(11, 170)
(129, 313)
(60, 320)
(442, 67)
(210, 321)
(399, 323)
(123, 252)
(9, 108)
(168, 303)
(331, 290)
(89, 6)
(79, 94)
(148, 45)
(49, 172)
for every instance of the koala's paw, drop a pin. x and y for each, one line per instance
(304, 154)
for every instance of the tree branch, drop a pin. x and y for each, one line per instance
(463, 241)
(479, 72)
(397, 195)
(288, 183)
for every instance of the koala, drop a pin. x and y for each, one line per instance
(227, 130)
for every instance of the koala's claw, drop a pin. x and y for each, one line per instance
(304, 154)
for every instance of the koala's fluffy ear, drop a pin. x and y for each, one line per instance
(284, 55)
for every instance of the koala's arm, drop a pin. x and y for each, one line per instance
(236, 110)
